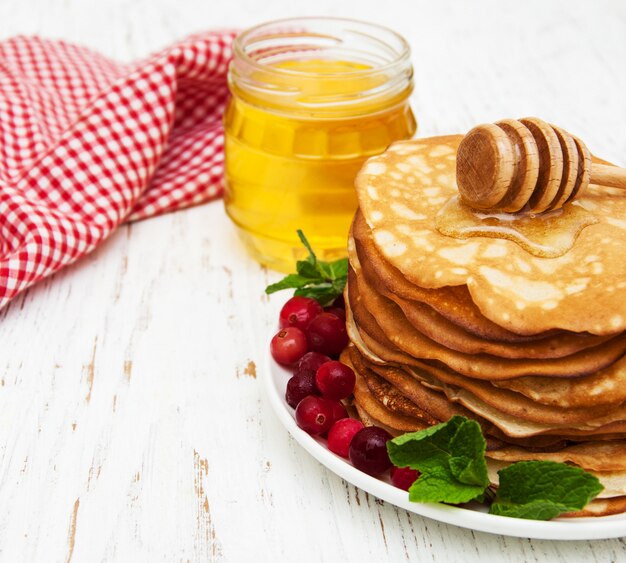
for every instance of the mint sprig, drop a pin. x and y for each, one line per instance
(540, 490)
(322, 281)
(451, 460)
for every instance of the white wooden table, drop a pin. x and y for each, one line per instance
(133, 425)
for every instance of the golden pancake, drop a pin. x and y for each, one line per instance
(433, 403)
(606, 460)
(392, 399)
(599, 507)
(398, 422)
(532, 348)
(453, 303)
(375, 346)
(386, 354)
(436, 403)
(520, 406)
(605, 387)
(593, 456)
(516, 426)
(374, 413)
(515, 405)
(411, 382)
(368, 420)
(427, 321)
(443, 331)
(403, 335)
(400, 193)
(509, 425)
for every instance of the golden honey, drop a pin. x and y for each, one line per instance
(312, 99)
(548, 235)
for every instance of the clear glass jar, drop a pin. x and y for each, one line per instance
(312, 99)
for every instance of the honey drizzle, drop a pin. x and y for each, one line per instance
(548, 235)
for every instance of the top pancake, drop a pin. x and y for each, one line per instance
(401, 191)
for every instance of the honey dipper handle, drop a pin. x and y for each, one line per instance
(612, 176)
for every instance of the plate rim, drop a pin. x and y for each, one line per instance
(581, 529)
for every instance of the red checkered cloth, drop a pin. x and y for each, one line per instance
(87, 144)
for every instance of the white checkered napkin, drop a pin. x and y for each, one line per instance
(86, 144)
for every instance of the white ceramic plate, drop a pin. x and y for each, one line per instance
(275, 379)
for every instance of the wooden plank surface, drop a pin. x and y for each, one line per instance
(133, 426)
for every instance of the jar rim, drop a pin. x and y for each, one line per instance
(402, 54)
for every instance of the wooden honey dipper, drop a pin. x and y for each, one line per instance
(526, 165)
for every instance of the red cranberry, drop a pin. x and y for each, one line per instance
(339, 302)
(340, 435)
(327, 334)
(335, 380)
(299, 311)
(404, 477)
(368, 450)
(310, 363)
(314, 415)
(339, 411)
(337, 311)
(298, 387)
(288, 345)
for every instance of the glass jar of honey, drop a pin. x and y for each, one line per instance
(312, 99)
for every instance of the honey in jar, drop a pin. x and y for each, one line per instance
(312, 99)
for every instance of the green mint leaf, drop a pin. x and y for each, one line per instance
(323, 281)
(338, 285)
(288, 282)
(311, 258)
(468, 448)
(324, 294)
(541, 490)
(439, 486)
(534, 510)
(334, 270)
(308, 270)
(326, 271)
(450, 458)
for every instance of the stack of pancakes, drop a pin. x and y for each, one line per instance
(533, 348)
